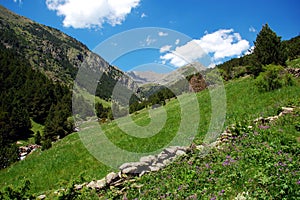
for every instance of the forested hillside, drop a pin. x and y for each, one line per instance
(28, 94)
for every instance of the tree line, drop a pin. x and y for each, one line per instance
(27, 94)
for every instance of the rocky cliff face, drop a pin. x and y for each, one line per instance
(54, 53)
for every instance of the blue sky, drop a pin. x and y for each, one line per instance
(223, 29)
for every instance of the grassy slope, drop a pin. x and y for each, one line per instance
(68, 158)
(259, 164)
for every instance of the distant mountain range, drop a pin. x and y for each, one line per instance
(148, 77)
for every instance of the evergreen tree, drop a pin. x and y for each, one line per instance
(268, 49)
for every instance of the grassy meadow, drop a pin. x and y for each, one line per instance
(69, 159)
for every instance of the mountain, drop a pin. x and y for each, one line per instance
(148, 77)
(56, 54)
(178, 80)
(145, 77)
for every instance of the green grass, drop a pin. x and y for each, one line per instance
(54, 168)
(294, 63)
(69, 158)
(262, 163)
(37, 127)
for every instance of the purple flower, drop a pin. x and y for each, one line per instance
(228, 160)
(298, 182)
(279, 152)
(221, 192)
(263, 127)
(180, 187)
(207, 165)
(213, 198)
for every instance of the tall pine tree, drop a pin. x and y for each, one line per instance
(268, 49)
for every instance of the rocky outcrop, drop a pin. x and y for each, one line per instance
(26, 150)
(197, 83)
(153, 162)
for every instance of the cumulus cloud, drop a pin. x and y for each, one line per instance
(223, 43)
(220, 44)
(177, 42)
(183, 55)
(92, 13)
(165, 48)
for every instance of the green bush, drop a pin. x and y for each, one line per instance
(273, 77)
(46, 144)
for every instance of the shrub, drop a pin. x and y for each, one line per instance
(273, 77)
(46, 144)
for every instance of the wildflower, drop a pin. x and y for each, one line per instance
(213, 198)
(207, 165)
(279, 152)
(263, 127)
(179, 187)
(221, 192)
(298, 182)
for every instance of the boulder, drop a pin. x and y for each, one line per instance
(100, 183)
(112, 176)
(148, 159)
(154, 168)
(171, 150)
(130, 170)
(92, 184)
(162, 156)
(180, 153)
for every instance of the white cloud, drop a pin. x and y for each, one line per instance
(143, 15)
(252, 29)
(92, 13)
(183, 55)
(223, 43)
(250, 50)
(220, 44)
(165, 48)
(162, 34)
(177, 42)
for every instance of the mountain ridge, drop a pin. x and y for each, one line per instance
(53, 52)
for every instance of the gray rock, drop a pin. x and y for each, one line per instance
(130, 170)
(167, 162)
(171, 150)
(125, 165)
(154, 168)
(159, 165)
(111, 177)
(180, 153)
(162, 156)
(100, 183)
(148, 159)
(92, 184)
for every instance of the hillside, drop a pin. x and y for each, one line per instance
(253, 123)
(61, 161)
(54, 53)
